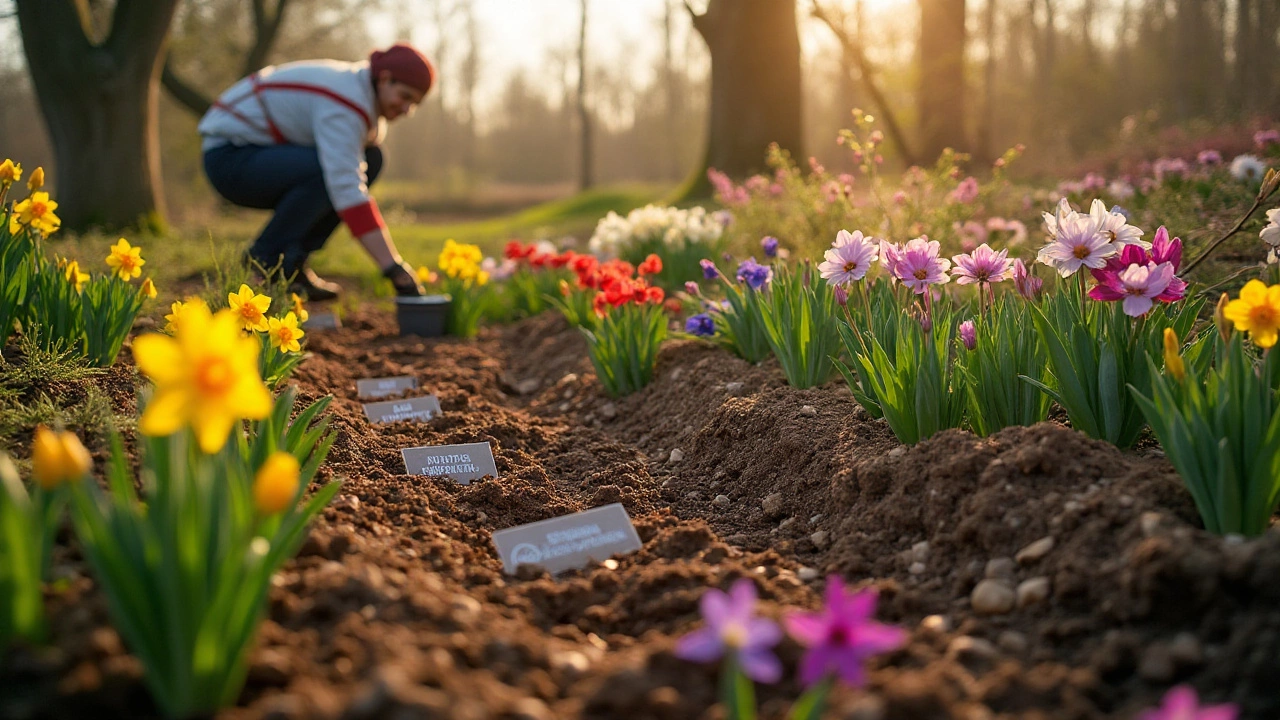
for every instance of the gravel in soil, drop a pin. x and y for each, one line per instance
(1042, 574)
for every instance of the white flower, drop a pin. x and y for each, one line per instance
(1247, 168)
(1116, 226)
(1271, 233)
(1120, 189)
(1078, 241)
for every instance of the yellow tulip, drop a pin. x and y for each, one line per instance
(57, 458)
(206, 377)
(276, 483)
(250, 308)
(285, 333)
(1256, 312)
(125, 260)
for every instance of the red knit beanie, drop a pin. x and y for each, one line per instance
(405, 64)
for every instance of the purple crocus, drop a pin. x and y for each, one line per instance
(919, 266)
(709, 271)
(1182, 703)
(701, 325)
(849, 258)
(692, 288)
(1137, 285)
(842, 636)
(1027, 285)
(732, 627)
(983, 265)
(755, 275)
(770, 246)
(969, 334)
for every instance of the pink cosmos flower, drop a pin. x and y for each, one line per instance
(971, 233)
(1078, 241)
(842, 636)
(1137, 286)
(1027, 285)
(849, 258)
(969, 334)
(1182, 703)
(918, 265)
(1263, 138)
(966, 192)
(983, 265)
(732, 627)
(1093, 182)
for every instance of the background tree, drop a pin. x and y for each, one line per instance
(942, 83)
(585, 174)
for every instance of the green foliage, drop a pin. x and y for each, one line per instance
(740, 325)
(624, 346)
(110, 306)
(529, 290)
(577, 306)
(873, 311)
(801, 324)
(28, 522)
(1006, 350)
(468, 304)
(186, 572)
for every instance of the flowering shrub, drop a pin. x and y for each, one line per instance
(630, 325)
(186, 573)
(28, 521)
(1220, 426)
(838, 641)
(680, 237)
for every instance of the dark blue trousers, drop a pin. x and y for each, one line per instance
(288, 180)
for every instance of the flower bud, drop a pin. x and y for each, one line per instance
(36, 181)
(276, 483)
(1224, 325)
(692, 288)
(842, 295)
(57, 458)
(969, 334)
(1269, 184)
(1173, 364)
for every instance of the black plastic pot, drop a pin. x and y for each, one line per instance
(425, 316)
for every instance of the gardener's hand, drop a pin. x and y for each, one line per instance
(404, 280)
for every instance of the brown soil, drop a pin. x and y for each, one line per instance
(397, 606)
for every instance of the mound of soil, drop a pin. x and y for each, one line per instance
(1042, 574)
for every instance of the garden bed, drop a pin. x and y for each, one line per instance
(397, 605)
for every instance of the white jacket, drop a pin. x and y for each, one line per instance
(324, 104)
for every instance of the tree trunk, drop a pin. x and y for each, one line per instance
(986, 128)
(99, 102)
(585, 179)
(755, 85)
(942, 89)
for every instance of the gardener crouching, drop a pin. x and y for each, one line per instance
(302, 139)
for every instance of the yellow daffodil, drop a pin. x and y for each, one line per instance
(482, 277)
(36, 181)
(426, 276)
(177, 310)
(276, 483)
(250, 308)
(206, 377)
(298, 308)
(57, 458)
(148, 289)
(285, 333)
(1173, 363)
(10, 172)
(1257, 312)
(460, 261)
(72, 270)
(35, 212)
(125, 260)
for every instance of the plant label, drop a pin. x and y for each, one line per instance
(461, 463)
(322, 321)
(569, 541)
(381, 387)
(419, 408)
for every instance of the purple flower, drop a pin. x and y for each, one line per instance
(983, 265)
(966, 192)
(1209, 157)
(1027, 285)
(1263, 138)
(692, 288)
(919, 266)
(709, 271)
(849, 258)
(755, 275)
(842, 295)
(732, 628)
(1137, 285)
(701, 325)
(770, 246)
(1182, 703)
(969, 334)
(842, 636)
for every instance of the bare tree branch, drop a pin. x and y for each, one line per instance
(186, 94)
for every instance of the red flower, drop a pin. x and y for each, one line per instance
(671, 305)
(599, 304)
(654, 294)
(538, 259)
(513, 250)
(652, 265)
(559, 261)
(584, 264)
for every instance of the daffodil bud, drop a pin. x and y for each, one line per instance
(1220, 320)
(1173, 363)
(57, 458)
(1269, 184)
(36, 181)
(276, 483)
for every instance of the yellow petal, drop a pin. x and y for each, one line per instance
(1263, 337)
(250, 398)
(168, 411)
(212, 430)
(1254, 292)
(160, 358)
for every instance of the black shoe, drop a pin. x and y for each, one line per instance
(313, 287)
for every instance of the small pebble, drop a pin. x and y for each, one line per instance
(676, 455)
(1150, 522)
(1033, 591)
(1035, 551)
(966, 647)
(1156, 664)
(898, 452)
(1012, 641)
(936, 624)
(808, 411)
(992, 597)
(920, 551)
(820, 539)
(917, 568)
(1186, 650)
(807, 574)
(772, 504)
(721, 501)
(734, 388)
(1000, 568)
(609, 411)
(787, 522)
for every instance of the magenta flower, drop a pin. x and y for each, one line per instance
(1137, 285)
(1182, 703)
(849, 258)
(1163, 251)
(1027, 285)
(966, 192)
(692, 288)
(842, 295)
(842, 636)
(733, 628)
(969, 334)
(918, 265)
(983, 265)
(1263, 138)
(1209, 157)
